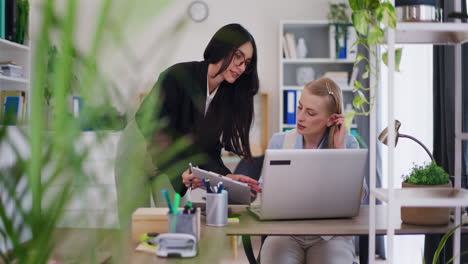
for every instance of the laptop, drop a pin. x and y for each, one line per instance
(311, 183)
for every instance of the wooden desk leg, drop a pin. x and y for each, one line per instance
(363, 249)
(247, 243)
(234, 247)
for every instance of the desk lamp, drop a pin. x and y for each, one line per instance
(384, 135)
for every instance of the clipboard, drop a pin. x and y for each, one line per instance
(238, 192)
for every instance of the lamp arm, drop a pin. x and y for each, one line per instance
(420, 143)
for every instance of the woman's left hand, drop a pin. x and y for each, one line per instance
(253, 184)
(340, 131)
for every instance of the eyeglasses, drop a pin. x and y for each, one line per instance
(239, 58)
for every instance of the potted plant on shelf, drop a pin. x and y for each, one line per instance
(426, 176)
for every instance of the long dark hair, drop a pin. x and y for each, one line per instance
(238, 119)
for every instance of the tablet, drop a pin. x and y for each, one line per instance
(238, 192)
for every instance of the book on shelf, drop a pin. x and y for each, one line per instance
(298, 97)
(76, 106)
(291, 44)
(287, 55)
(10, 20)
(13, 108)
(2, 19)
(337, 45)
(345, 49)
(289, 107)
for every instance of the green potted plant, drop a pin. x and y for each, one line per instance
(370, 19)
(426, 176)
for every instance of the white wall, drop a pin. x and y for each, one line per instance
(413, 108)
(152, 49)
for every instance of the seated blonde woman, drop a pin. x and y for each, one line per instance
(320, 125)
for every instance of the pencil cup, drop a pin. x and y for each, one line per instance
(216, 209)
(184, 223)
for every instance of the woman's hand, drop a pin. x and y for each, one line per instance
(253, 184)
(339, 136)
(188, 179)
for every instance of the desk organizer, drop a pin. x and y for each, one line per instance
(185, 223)
(153, 220)
(216, 209)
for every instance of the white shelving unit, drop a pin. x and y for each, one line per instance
(317, 38)
(417, 33)
(19, 54)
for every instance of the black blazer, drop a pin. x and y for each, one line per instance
(181, 94)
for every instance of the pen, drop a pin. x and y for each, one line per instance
(220, 187)
(188, 208)
(176, 203)
(165, 194)
(207, 185)
(189, 192)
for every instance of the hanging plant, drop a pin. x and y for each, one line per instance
(370, 19)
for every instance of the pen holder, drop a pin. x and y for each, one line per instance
(216, 209)
(184, 223)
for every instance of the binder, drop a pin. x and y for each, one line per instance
(10, 20)
(2, 19)
(290, 107)
(337, 46)
(13, 102)
(298, 96)
(77, 105)
(12, 109)
(351, 52)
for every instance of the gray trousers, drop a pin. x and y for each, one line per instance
(307, 249)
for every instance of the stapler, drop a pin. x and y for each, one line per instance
(176, 245)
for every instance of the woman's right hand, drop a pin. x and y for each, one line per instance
(188, 179)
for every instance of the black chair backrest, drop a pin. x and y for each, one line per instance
(251, 168)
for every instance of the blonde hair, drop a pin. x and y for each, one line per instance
(328, 88)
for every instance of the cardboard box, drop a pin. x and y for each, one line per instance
(149, 220)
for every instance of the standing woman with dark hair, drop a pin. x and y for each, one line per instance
(210, 102)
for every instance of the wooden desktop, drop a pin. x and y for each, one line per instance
(215, 245)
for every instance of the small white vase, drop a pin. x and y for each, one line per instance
(301, 48)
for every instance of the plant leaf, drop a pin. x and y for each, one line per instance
(359, 58)
(388, 15)
(442, 243)
(349, 116)
(358, 102)
(398, 53)
(372, 4)
(358, 85)
(361, 21)
(375, 35)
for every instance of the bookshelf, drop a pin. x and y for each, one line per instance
(320, 59)
(15, 142)
(445, 33)
(19, 55)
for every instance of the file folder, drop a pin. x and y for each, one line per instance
(289, 107)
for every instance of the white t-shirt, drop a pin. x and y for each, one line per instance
(209, 97)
